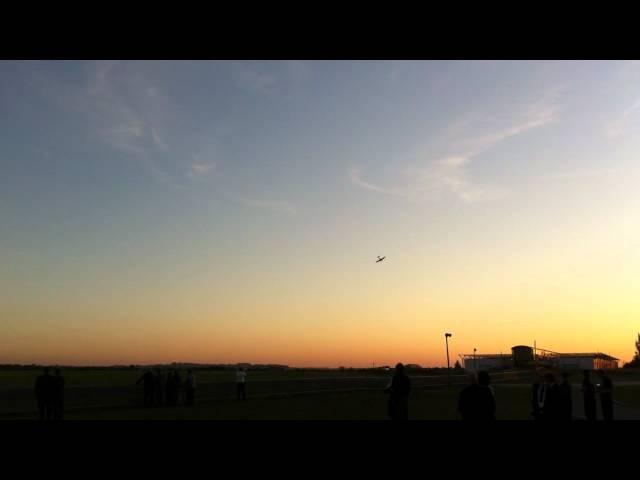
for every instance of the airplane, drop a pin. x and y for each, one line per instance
(380, 259)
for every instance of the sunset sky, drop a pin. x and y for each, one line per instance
(230, 212)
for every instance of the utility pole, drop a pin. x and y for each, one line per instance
(446, 339)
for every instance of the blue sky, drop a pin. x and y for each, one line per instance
(123, 178)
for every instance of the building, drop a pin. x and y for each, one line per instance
(587, 361)
(493, 361)
(523, 356)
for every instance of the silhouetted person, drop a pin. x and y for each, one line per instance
(159, 386)
(398, 407)
(589, 395)
(44, 390)
(606, 396)
(168, 388)
(190, 387)
(466, 399)
(566, 400)
(58, 395)
(549, 395)
(486, 399)
(241, 382)
(147, 381)
(477, 401)
(536, 396)
(177, 387)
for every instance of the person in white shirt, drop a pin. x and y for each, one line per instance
(241, 377)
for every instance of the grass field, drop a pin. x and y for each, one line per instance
(11, 379)
(629, 395)
(25, 378)
(363, 405)
(111, 394)
(90, 388)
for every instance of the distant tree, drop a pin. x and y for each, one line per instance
(457, 366)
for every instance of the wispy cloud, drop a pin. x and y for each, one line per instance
(286, 78)
(250, 76)
(580, 174)
(200, 169)
(449, 174)
(122, 127)
(277, 206)
(624, 85)
(355, 176)
(126, 136)
(622, 124)
(536, 115)
(128, 111)
(158, 140)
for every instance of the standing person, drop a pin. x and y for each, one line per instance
(190, 385)
(164, 375)
(169, 389)
(566, 400)
(158, 386)
(536, 396)
(606, 396)
(550, 398)
(44, 393)
(147, 381)
(58, 395)
(241, 380)
(177, 387)
(398, 407)
(486, 399)
(477, 401)
(589, 394)
(467, 405)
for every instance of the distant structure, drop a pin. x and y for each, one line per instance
(587, 361)
(524, 356)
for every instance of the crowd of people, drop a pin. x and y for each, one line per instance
(171, 390)
(550, 400)
(49, 391)
(168, 389)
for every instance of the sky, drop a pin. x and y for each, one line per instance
(232, 211)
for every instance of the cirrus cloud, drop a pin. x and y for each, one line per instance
(422, 178)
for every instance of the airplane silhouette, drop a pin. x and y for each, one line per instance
(380, 259)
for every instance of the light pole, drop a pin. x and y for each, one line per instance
(446, 340)
(475, 367)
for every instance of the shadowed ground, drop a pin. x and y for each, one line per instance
(313, 398)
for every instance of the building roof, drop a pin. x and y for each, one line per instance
(603, 356)
(487, 355)
(600, 355)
